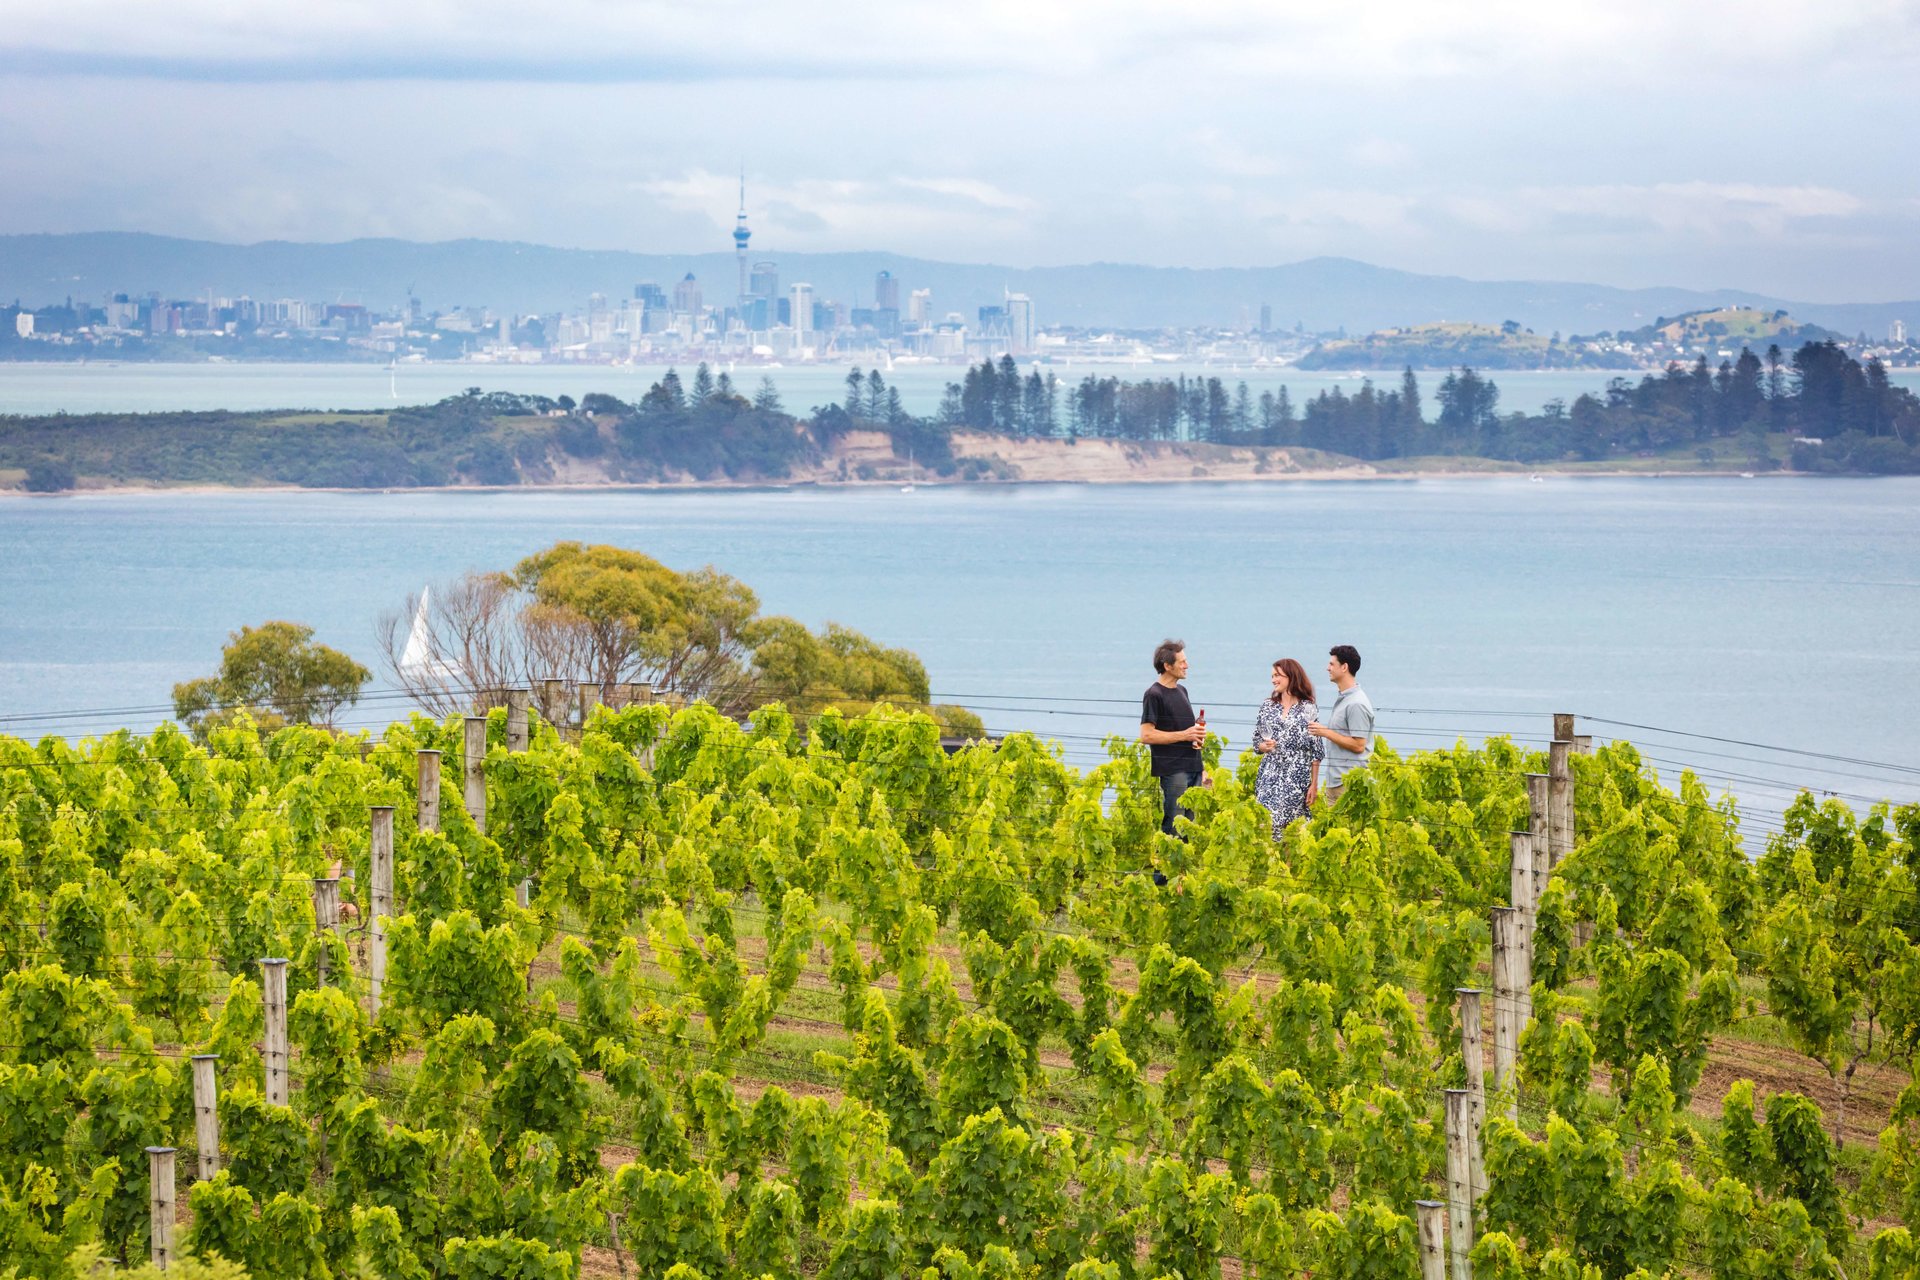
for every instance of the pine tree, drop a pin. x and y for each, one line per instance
(1006, 398)
(856, 394)
(702, 385)
(767, 398)
(672, 394)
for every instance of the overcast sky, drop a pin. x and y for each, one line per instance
(1761, 145)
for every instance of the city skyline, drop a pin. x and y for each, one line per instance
(1504, 141)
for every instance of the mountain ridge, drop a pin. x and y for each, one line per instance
(1322, 293)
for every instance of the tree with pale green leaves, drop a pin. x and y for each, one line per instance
(275, 673)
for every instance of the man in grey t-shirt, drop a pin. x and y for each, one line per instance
(1348, 727)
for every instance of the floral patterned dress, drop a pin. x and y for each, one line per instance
(1287, 771)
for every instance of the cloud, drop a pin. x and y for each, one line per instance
(1668, 209)
(848, 212)
(1497, 139)
(1230, 156)
(638, 41)
(984, 194)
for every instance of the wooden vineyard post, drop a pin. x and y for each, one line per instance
(553, 704)
(1563, 726)
(517, 735)
(1471, 1056)
(1538, 787)
(206, 1114)
(273, 993)
(160, 1193)
(1520, 886)
(380, 856)
(1460, 1194)
(1512, 1000)
(1559, 802)
(427, 803)
(474, 772)
(1506, 1040)
(1582, 744)
(643, 697)
(1433, 1239)
(589, 695)
(326, 918)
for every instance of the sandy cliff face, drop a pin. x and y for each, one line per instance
(1121, 461)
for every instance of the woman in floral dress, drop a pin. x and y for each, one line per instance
(1290, 772)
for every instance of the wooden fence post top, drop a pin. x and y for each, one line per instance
(204, 1057)
(381, 808)
(161, 1151)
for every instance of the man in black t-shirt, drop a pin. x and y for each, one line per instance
(1168, 726)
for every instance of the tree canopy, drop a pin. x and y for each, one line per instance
(275, 673)
(606, 615)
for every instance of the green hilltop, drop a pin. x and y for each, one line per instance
(1718, 326)
(1447, 344)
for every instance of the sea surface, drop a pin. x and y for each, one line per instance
(144, 388)
(1754, 629)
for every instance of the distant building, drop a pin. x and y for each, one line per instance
(886, 292)
(123, 313)
(1020, 327)
(764, 282)
(686, 296)
(1266, 318)
(1897, 333)
(920, 308)
(802, 309)
(23, 324)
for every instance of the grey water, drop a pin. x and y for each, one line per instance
(145, 388)
(1753, 627)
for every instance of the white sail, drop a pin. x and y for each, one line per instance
(419, 661)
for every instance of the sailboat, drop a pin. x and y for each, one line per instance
(420, 661)
(908, 486)
(393, 379)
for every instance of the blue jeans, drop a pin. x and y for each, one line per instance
(1172, 787)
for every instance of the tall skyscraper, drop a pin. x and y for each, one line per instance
(686, 296)
(1266, 317)
(764, 282)
(886, 292)
(802, 317)
(920, 308)
(1021, 332)
(740, 237)
(1897, 333)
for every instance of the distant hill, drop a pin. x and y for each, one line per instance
(1721, 326)
(1321, 293)
(1444, 346)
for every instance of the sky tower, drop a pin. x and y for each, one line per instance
(740, 237)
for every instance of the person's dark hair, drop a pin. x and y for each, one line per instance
(1164, 655)
(1347, 654)
(1297, 683)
